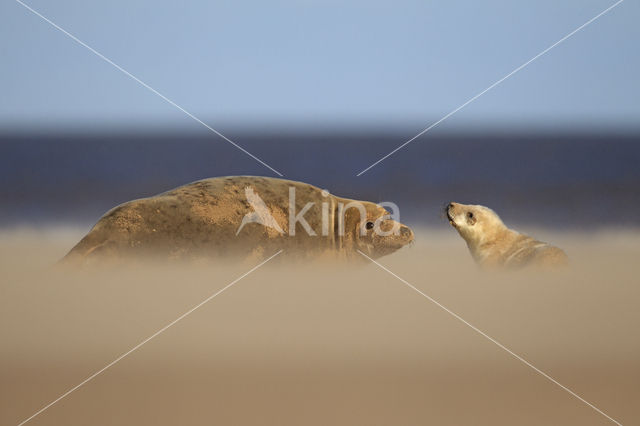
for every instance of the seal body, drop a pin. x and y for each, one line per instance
(242, 216)
(492, 244)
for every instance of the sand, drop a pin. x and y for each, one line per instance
(322, 344)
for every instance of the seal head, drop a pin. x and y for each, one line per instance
(373, 231)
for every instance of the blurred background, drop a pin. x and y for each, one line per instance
(319, 90)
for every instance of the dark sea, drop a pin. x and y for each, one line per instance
(568, 181)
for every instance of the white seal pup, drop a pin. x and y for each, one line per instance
(492, 244)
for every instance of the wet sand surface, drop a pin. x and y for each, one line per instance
(322, 344)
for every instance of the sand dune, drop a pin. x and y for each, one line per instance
(322, 344)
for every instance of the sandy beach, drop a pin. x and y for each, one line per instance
(322, 344)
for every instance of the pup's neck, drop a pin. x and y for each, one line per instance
(489, 248)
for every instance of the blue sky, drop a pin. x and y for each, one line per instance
(320, 64)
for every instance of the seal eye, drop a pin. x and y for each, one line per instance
(470, 215)
(369, 225)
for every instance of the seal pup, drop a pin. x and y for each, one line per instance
(492, 244)
(242, 216)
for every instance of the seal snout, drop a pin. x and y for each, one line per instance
(406, 233)
(448, 210)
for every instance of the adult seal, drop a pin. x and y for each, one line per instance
(492, 244)
(242, 216)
